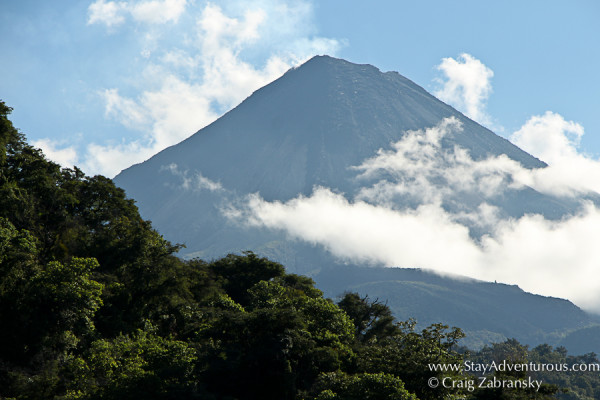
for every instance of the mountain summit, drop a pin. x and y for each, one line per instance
(310, 128)
(310, 125)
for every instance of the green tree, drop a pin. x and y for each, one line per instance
(508, 354)
(372, 319)
(276, 345)
(141, 365)
(47, 315)
(76, 262)
(409, 354)
(379, 386)
(238, 273)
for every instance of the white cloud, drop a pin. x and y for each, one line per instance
(366, 232)
(187, 86)
(467, 86)
(227, 79)
(554, 140)
(127, 111)
(66, 156)
(196, 182)
(178, 109)
(158, 12)
(108, 13)
(549, 258)
(180, 59)
(165, 116)
(201, 182)
(152, 12)
(549, 137)
(418, 169)
(218, 30)
(111, 159)
(553, 258)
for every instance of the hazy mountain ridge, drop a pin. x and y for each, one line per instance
(312, 128)
(506, 311)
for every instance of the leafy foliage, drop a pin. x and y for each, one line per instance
(373, 320)
(141, 365)
(552, 366)
(338, 385)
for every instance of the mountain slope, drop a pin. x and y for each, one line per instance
(310, 125)
(312, 128)
(306, 129)
(486, 311)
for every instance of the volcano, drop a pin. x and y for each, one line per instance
(307, 129)
(321, 125)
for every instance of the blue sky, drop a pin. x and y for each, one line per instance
(104, 84)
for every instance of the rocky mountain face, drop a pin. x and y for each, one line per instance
(323, 124)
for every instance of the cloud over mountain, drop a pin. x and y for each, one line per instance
(466, 85)
(554, 258)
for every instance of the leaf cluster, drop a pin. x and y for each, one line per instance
(552, 366)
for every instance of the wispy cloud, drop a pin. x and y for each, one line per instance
(193, 181)
(110, 159)
(554, 258)
(108, 13)
(65, 156)
(114, 13)
(550, 137)
(206, 65)
(467, 86)
(417, 169)
(413, 213)
(554, 140)
(158, 12)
